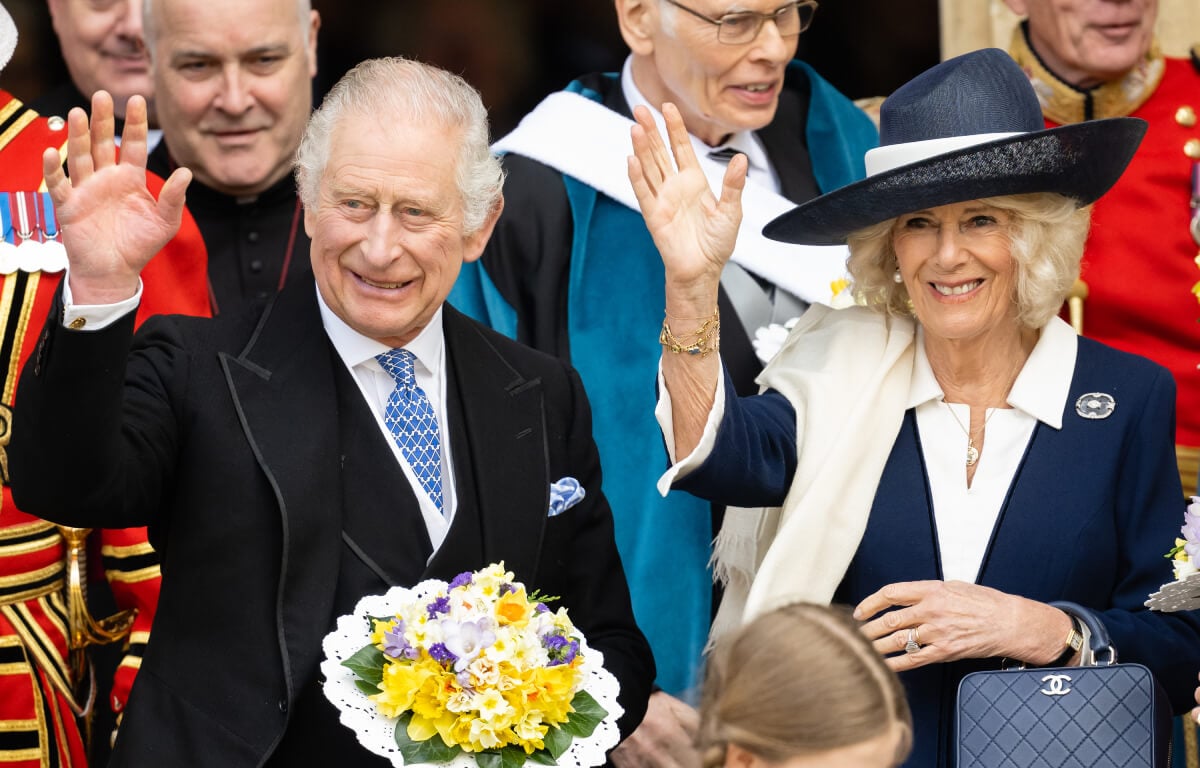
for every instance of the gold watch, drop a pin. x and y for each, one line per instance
(1073, 643)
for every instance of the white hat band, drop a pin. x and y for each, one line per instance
(891, 156)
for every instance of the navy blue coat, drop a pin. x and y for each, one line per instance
(1091, 511)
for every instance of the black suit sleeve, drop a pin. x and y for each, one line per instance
(87, 451)
(754, 457)
(579, 558)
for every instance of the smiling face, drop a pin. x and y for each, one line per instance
(234, 80)
(1088, 42)
(957, 265)
(387, 229)
(719, 88)
(102, 45)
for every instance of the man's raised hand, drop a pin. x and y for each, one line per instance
(111, 224)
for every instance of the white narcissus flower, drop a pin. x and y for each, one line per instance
(843, 295)
(769, 339)
(1183, 568)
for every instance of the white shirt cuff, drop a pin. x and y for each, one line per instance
(662, 412)
(95, 317)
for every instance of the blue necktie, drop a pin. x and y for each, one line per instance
(412, 422)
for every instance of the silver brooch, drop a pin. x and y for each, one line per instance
(1095, 405)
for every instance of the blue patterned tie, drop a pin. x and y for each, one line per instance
(413, 423)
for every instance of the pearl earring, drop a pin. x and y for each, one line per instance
(897, 277)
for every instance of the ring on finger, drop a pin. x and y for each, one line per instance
(914, 641)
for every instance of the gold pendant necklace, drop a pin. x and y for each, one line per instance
(972, 451)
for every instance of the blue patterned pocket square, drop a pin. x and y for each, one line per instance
(565, 494)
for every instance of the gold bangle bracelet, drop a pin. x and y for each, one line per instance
(702, 341)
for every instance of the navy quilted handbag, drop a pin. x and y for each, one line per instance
(1105, 716)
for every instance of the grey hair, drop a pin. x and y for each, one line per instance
(389, 88)
(1046, 235)
(149, 32)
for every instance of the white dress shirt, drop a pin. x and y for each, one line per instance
(965, 517)
(429, 347)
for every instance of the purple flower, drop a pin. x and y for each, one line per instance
(506, 589)
(540, 608)
(467, 640)
(464, 680)
(396, 645)
(442, 655)
(438, 607)
(560, 649)
(461, 580)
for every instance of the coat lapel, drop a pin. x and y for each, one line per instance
(283, 389)
(382, 524)
(900, 542)
(500, 453)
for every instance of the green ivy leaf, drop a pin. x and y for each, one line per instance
(542, 757)
(587, 715)
(432, 750)
(514, 757)
(367, 664)
(489, 760)
(370, 689)
(505, 757)
(557, 742)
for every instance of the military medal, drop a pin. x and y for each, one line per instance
(29, 250)
(54, 255)
(31, 241)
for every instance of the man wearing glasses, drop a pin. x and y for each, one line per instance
(572, 271)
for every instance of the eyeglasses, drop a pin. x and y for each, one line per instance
(743, 26)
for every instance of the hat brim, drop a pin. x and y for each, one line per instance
(1081, 161)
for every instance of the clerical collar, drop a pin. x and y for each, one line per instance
(1064, 103)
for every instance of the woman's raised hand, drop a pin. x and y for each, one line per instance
(110, 223)
(694, 231)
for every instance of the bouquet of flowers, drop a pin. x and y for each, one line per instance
(472, 672)
(1183, 593)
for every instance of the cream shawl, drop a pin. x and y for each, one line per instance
(846, 372)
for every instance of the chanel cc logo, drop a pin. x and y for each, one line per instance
(1058, 685)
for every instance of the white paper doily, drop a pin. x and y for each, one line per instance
(377, 733)
(1178, 595)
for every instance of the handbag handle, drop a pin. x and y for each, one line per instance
(1101, 643)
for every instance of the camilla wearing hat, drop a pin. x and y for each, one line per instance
(948, 457)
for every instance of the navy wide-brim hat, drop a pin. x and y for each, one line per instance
(970, 127)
